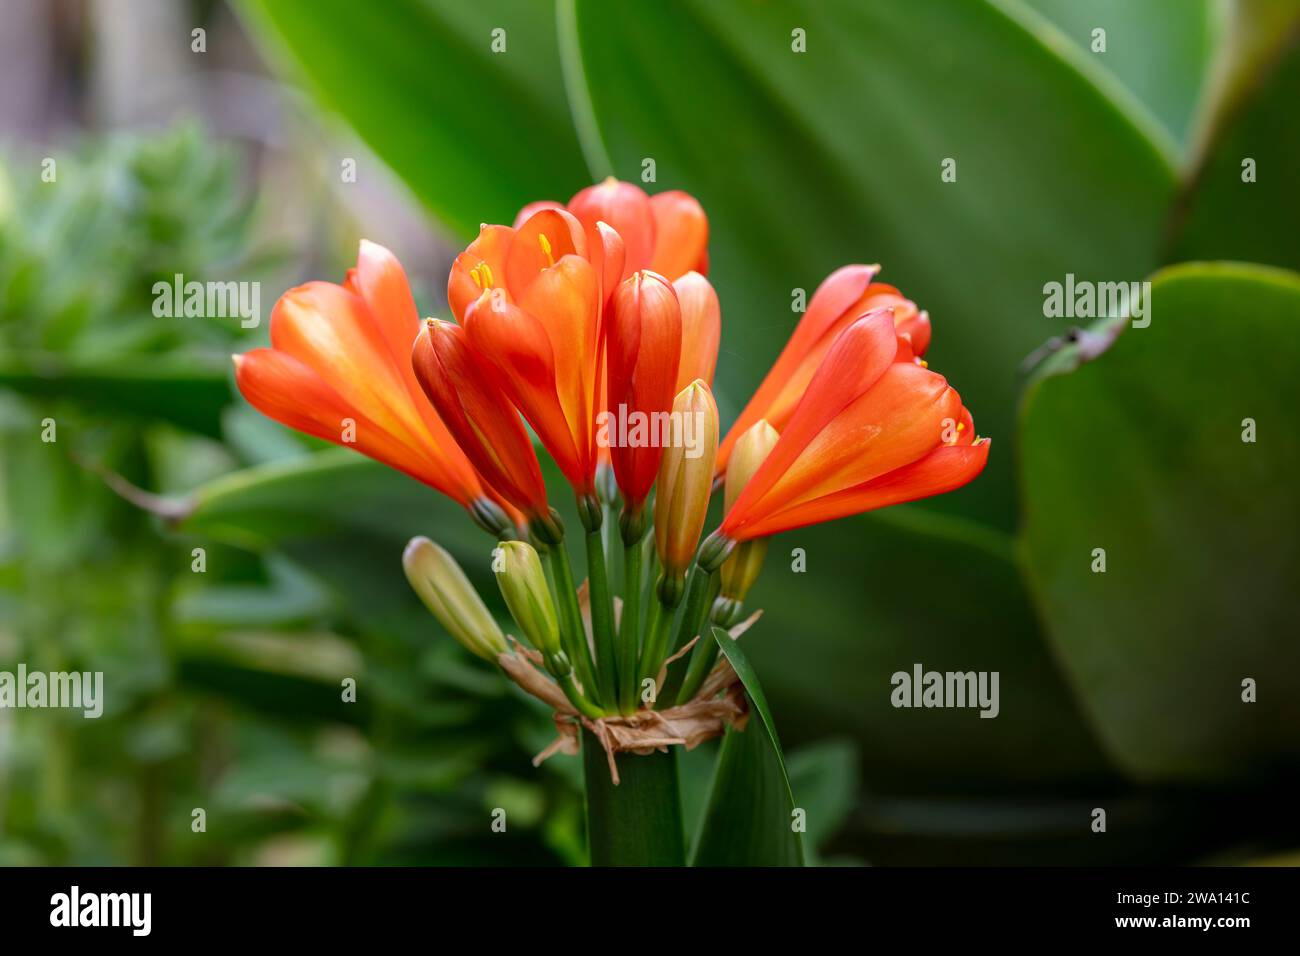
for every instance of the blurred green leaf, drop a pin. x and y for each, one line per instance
(807, 161)
(902, 587)
(1159, 50)
(824, 775)
(189, 391)
(749, 820)
(476, 134)
(1141, 453)
(1221, 216)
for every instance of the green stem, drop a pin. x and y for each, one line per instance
(629, 629)
(696, 601)
(702, 658)
(573, 636)
(638, 822)
(656, 638)
(602, 619)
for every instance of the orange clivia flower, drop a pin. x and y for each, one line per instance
(478, 414)
(667, 233)
(845, 295)
(339, 368)
(644, 348)
(870, 431)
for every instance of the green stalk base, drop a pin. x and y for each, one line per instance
(638, 822)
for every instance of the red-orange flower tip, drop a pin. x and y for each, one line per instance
(869, 433)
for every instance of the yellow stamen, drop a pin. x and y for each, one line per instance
(960, 426)
(546, 249)
(488, 281)
(478, 280)
(923, 363)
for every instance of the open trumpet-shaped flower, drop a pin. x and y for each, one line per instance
(845, 295)
(869, 432)
(339, 368)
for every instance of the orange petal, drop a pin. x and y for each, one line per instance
(287, 390)
(945, 469)
(626, 208)
(516, 346)
(856, 360)
(681, 234)
(645, 341)
(563, 298)
(468, 280)
(533, 208)
(486, 426)
(544, 239)
(895, 422)
(701, 329)
(776, 398)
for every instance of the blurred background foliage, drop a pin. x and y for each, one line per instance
(1119, 691)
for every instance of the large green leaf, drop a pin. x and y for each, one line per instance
(474, 133)
(329, 493)
(848, 605)
(185, 390)
(1224, 216)
(1159, 50)
(806, 161)
(1141, 452)
(751, 817)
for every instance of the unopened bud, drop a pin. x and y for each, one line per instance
(741, 569)
(448, 594)
(523, 585)
(686, 480)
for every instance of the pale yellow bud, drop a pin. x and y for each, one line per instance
(741, 569)
(686, 479)
(448, 594)
(523, 584)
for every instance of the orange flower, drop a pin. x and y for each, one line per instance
(666, 233)
(845, 295)
(644, 348)
(701, 329)
(479, 415)
(339, 368)
(870, 432)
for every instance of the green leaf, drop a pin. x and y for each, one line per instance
(1222, 216)
(332, 492)
(187, 391)
(638, 821)
(474, 133)
(1159, 50)
(807, 161)
(848, 605)
(1142, 452)
(749, 820)
(825, 775)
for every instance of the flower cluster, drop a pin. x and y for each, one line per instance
(569, 316)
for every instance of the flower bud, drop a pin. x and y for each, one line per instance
(448, 594)
(686, 479)
(523, 585)
(741, 569)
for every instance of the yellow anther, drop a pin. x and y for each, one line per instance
(546, 249)
(478, 280)
(960, 426)
(923, 363)
(486, 272)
